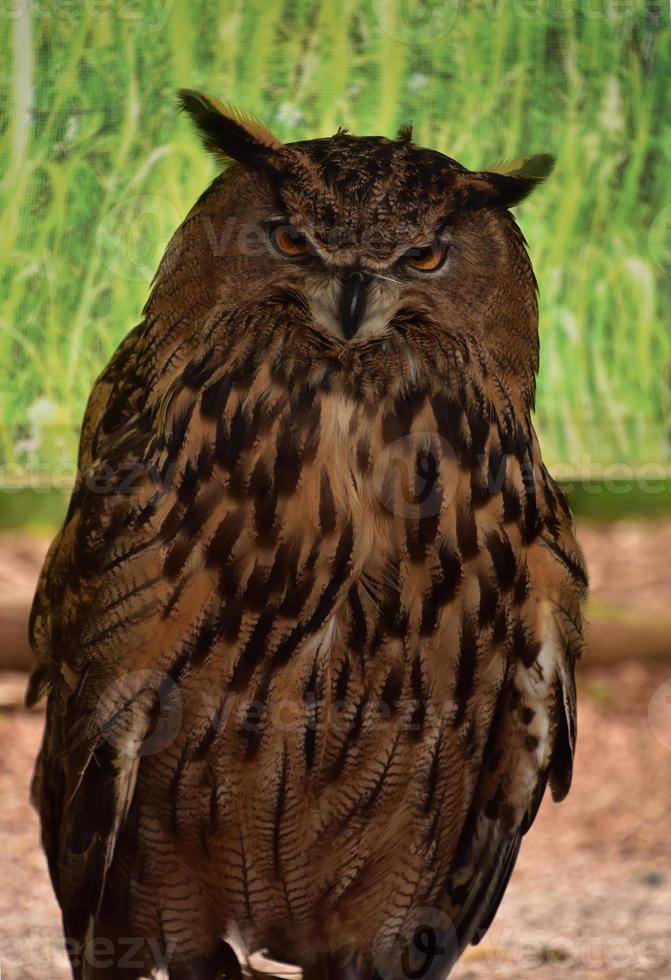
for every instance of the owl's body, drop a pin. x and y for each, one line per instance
(310, 626)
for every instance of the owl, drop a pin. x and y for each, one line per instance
(308, 632)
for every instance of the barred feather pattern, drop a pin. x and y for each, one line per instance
(309, 629)
(371, 686)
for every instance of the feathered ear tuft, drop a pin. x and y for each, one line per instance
(404, 135)
(506, 184)
(537, 167)
(230, 134)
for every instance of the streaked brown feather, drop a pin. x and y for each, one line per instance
(368, 685)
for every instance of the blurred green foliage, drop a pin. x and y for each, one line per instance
(98, 168)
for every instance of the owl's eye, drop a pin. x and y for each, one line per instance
(289, 241)
(426, 258)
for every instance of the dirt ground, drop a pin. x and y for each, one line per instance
(591, 894)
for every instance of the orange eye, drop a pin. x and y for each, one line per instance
(289, 241)
(426, 258)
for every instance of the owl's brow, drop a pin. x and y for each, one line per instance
(277, 218)
(444, 223)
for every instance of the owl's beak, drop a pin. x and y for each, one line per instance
(353, 302)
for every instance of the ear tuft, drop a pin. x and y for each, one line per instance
(506, 184)
(404, 134)
(228, 133)
(537, 167)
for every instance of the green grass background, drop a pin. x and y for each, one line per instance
(97, 168)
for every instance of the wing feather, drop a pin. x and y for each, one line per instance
(183, 541)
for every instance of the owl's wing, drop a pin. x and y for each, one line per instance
(184, 542)
(120, 390)
(525, 758)
(487, 877)
(81, 787)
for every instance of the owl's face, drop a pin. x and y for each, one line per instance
(374, 232)
(363, 231)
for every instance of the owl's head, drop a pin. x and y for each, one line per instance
(366, 230)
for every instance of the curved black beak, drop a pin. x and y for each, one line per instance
(353, 302)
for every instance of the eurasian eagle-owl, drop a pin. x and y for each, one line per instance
(310, 626)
